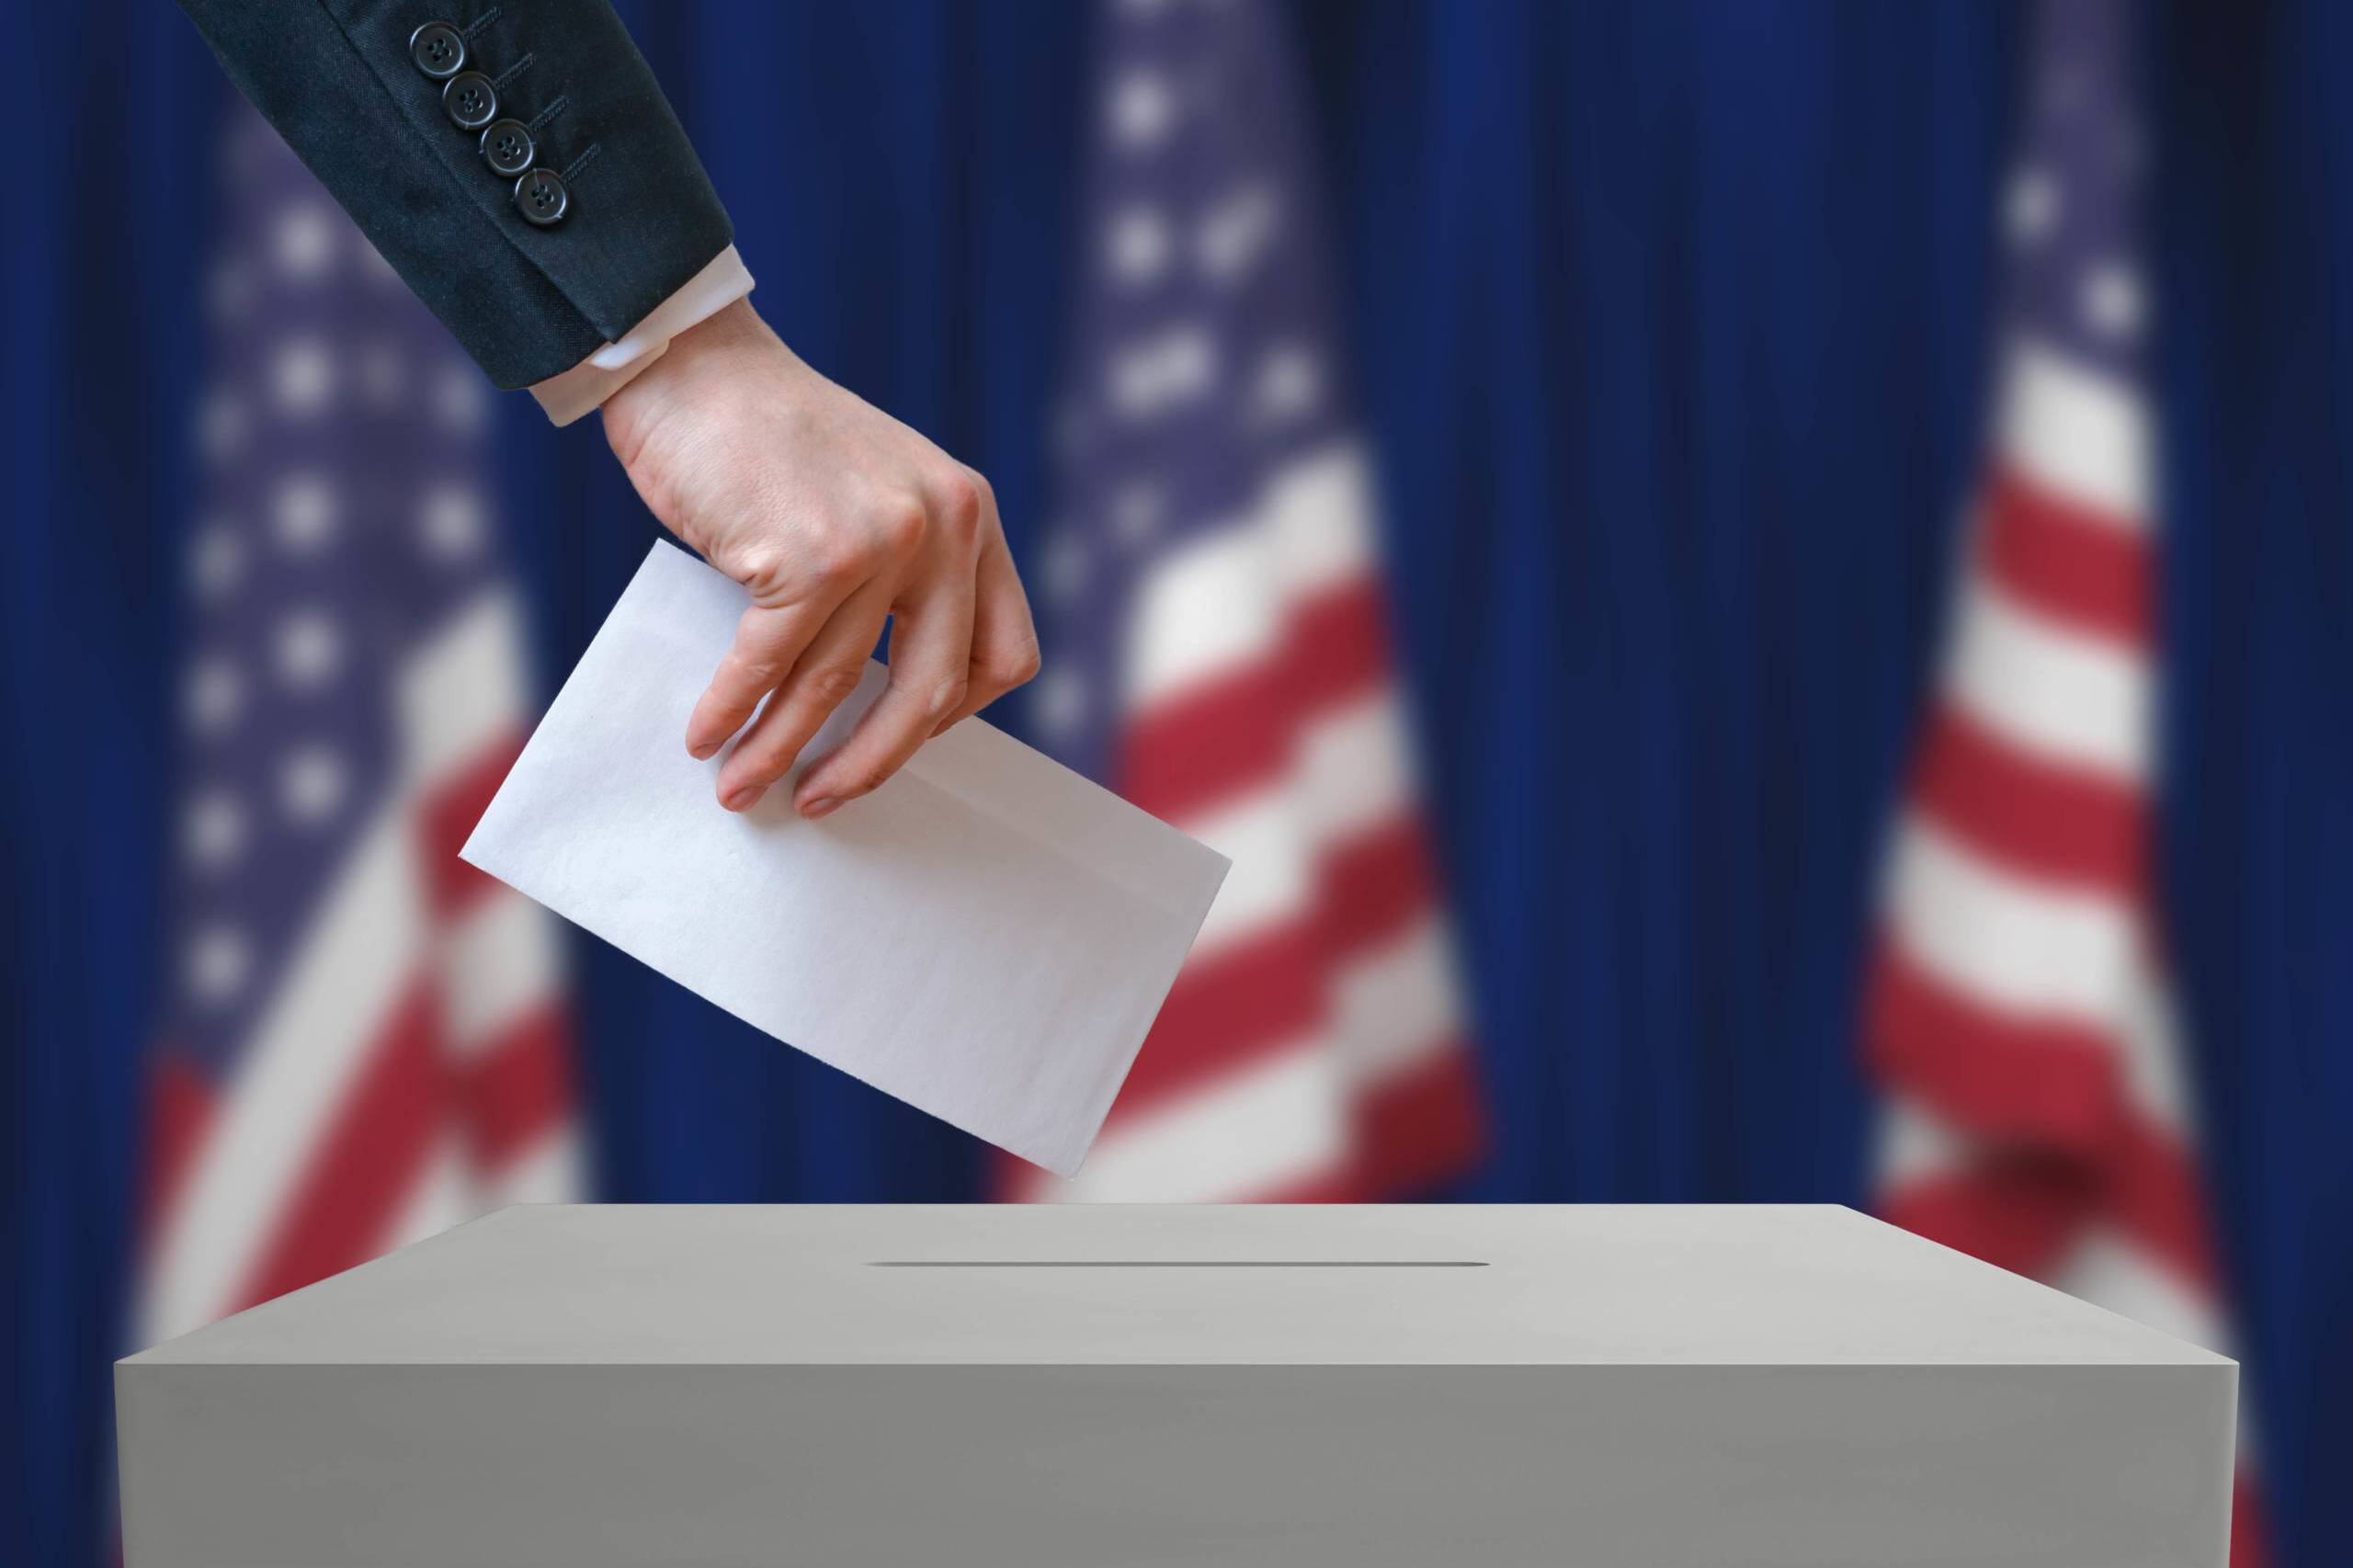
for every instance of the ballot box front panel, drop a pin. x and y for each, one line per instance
(1628, 1388)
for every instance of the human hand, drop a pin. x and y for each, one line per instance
(836, 517)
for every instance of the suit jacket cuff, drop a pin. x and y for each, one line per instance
(573, 393)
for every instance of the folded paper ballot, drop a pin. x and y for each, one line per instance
(987, 937)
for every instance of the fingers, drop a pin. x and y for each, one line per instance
(931, 647)
(768, 642)
(1004, 639)
(827, 672)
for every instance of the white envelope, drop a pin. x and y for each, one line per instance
(987, 937)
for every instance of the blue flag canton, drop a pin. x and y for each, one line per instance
(346, 512)
(1203, 357)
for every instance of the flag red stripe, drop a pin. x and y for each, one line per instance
(518, 1089)
(1413, 1129)
(1188, 753)
(1421, 1125)
(179, 1115)
(2154, 1197)
(1341, 1185)
(2022, 1207)
(2250, 1525)
(446, 819)
(1271, 988)
(2068, 562)
(1225, 1012)
(367, 1159)
(2052, 824)
(2019, 1210)
(2044, 1082)
(1373, 887)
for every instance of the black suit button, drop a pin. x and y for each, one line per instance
(470, 101)
(508, 146)
(540, 197)
(438, 48)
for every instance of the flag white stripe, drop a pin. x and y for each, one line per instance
(546, 1170)
(1208, 608)
(1917, 1145)
(1218, 605)
(1319, 509)
(1281, 1120)
(2077, 434)
(1395, 1006)
(499, 963)
(2019, 946)
(310, 1044)
(442, 1197)
(1357, 781)
(2052, 692)
(463, 689)
(1270, 885)
(2105, 1270)
(2148, 1036)
(1354, 767)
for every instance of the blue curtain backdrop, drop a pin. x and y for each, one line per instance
(1669, 322)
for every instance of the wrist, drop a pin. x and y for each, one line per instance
(593, 381)
(681, 376)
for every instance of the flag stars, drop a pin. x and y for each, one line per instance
(1137, 247)
(1235, 232)
(216, 561)
(2111, 300)
(452, 523)
(1060, 702)
(214, 831)
(220, 959)
(1178, 367)
(214, 695)
(1067, 567)
(302, 378)
(457, 400)
(2032, 209)
(312, 786)
(309, 651)
(302, 243)
(1137, 513)
(1288, 383)
(1142, 109)
(304, 513)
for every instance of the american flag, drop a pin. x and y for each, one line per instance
(1218, 649)
(2040, 1116)
(367, 1040)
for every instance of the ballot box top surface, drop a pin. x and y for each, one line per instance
(1101, 1285)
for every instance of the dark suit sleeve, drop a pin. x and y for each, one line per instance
(374, 110)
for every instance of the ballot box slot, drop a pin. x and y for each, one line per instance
(1179, 1263)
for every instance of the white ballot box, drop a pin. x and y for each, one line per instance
(1137, 1387)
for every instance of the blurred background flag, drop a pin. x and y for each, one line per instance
(2038, 1110)
(367, 1040)
(1217, 644)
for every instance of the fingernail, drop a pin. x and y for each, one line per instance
(701, 751)
(814, 809)
(741, 797)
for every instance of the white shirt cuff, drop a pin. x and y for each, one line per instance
(584, 388)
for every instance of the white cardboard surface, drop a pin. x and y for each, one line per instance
(987, 937)
(1165, 1386)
